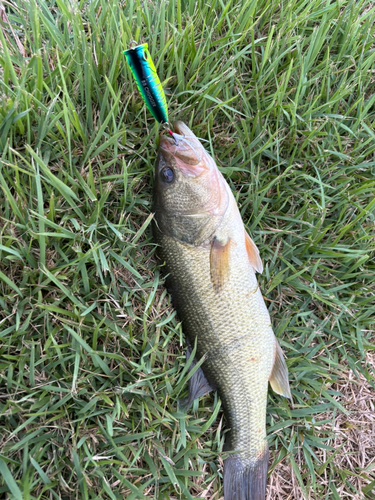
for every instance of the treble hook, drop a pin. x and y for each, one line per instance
(167, 127)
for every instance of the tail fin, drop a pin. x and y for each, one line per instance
(244, 479)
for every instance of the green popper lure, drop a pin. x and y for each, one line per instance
(144, 72)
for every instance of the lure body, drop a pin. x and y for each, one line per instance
(148, 83)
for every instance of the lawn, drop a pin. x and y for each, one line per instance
(92, 355)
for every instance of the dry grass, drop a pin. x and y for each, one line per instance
(352, 438)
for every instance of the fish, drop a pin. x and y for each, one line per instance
(210, 266)
(148, 83)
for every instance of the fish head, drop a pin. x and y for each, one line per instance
(190, 194)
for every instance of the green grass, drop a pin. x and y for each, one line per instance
(91, 353)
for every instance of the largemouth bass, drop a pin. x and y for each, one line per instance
(210, 262)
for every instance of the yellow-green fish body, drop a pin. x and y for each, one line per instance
(211, 263)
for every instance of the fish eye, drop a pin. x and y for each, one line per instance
(167, 175)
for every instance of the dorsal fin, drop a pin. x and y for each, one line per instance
(279, 376)
(253, 254)
(219, 263)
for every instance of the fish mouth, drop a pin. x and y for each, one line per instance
(184, 147)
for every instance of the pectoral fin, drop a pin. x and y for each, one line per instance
(253, 254)
(279, 377)
(219, 263)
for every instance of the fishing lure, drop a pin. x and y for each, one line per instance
(148, 83)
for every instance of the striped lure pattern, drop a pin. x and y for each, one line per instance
(144, 72)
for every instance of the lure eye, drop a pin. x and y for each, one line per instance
(167, 175)
(145, 55)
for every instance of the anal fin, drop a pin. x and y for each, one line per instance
(198, 384)
(279, 377)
